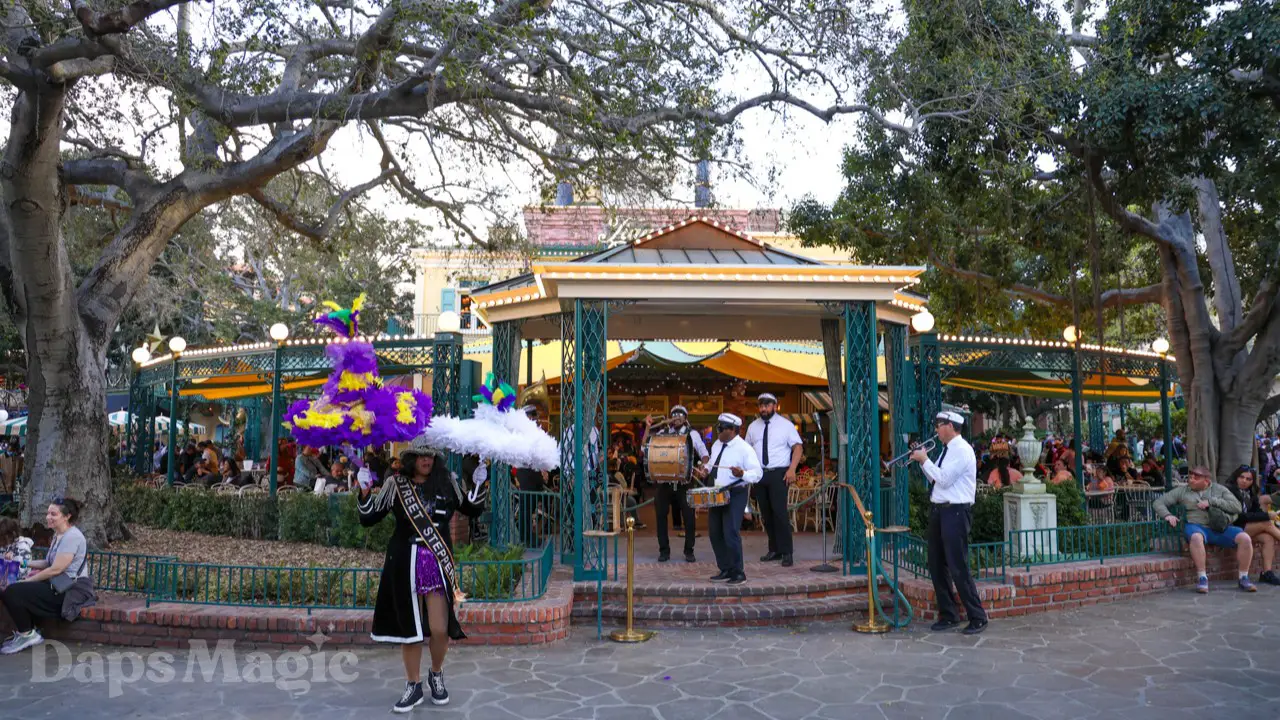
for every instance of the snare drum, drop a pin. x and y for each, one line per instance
(707, 497)
(667, 459)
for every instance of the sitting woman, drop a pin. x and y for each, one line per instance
(1128, 474)
(996, 478)
(41, 595)
(1255, 520)
(230, 473)
(1101, 481)
(1061, 474)
(1152, 471)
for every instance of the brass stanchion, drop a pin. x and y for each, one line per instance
(873, 624)
(631, 635)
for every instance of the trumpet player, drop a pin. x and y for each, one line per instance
(954, 480)
(674, 493)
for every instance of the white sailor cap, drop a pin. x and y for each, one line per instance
(948, 416)
(729, 419)
(680, 409)
(767, 397)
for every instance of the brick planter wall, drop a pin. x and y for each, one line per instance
(121, 620)
(1063, 587)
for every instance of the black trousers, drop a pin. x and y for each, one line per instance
(671, 495)
(771, 496)
(725, 529)
(28, 601)
(949, 562)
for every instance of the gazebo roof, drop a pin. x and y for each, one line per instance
(742, 288)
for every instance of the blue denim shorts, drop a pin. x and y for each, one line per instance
(1226, 538)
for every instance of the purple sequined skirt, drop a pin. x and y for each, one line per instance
(427, 572)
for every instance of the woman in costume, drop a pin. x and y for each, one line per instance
(418, 593)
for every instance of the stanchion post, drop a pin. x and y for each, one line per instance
(631, 635)
(873, 624)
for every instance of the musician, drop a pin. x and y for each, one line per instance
(675, 493)
(735, 468)
(779, 448)
(954, 479)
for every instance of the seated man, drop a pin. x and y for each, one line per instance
(308, 469)
(1199, 496)
(1060, 473)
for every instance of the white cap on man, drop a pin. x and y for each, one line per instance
(949, 416)
(680, 410)
(767, 398)
(729, 419)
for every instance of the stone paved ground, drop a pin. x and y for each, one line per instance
(1166, 657)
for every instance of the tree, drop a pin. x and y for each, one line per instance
(1038, 188)
(172, 121)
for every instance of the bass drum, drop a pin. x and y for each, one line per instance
(667, 459)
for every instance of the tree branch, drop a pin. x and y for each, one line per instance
(323, 230)
(1120, 297)
(120, 20)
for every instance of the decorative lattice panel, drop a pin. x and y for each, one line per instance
(506, 357)
(861, 424)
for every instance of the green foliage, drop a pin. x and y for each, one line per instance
(1146, 424)
(487, 573)
(1071, 512)
(304, 517)
(988, 518)
(350, 533)
(993, 198)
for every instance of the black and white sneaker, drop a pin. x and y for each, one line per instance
(411, 698)
(439, 694)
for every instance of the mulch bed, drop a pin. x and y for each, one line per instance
(194, 547)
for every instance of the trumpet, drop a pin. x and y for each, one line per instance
(905, 458)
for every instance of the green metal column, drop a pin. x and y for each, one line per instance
(1167, 424)
(904, 420)
(253, 429)
(277, 415)
(446, 368)
(1097, 435)
(173, 419)
(506, 361)
(1076, 410)
(861, 426)
(588, 470)
(929, 374)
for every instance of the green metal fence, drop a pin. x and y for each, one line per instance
(990, 561)
(114, 571)
(317, 588)
(535, 517)
(1092, 542)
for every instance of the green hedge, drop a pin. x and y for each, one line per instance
(297, 517)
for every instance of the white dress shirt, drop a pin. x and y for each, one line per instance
(782, 437)
(736, 454)
(956, 479)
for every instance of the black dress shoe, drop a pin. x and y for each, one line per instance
(738, 579)
(974, 628)
(663, 557)
(688, 557)
(942, 625)
(770, 557)
(787, 561)
(721, 576)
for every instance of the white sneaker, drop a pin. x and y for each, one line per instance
(21, 641)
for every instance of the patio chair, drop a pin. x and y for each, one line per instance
(249, 490)
(225, 489)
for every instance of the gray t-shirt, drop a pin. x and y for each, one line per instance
(72, 541)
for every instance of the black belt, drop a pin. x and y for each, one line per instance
(951, 504)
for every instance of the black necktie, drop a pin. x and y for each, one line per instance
(940, 457)
(716, 464)
(764, 455)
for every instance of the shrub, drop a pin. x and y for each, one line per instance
(488, 573)
(304, 517)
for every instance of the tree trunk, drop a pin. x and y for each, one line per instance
(67, 435)
(67, 431)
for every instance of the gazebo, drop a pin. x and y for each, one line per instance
(698, 280)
